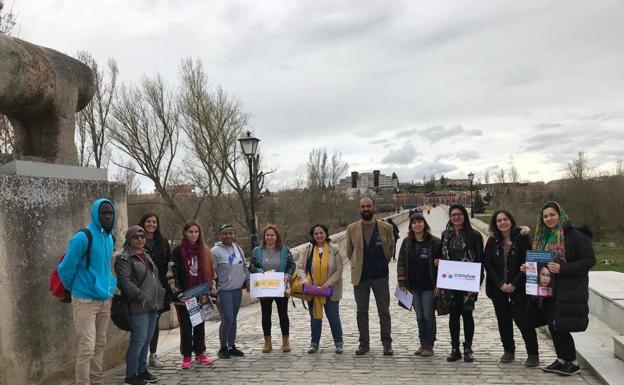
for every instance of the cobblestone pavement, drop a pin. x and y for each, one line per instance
(326, 367)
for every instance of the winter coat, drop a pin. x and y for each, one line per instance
(287, 262)
(431, 242)
(140, 285)
(506, 269)
(355, 246)
(335, 268)
(179, 275)
(161, 255)
(571, 311)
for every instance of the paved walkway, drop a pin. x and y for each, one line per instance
(326, 367)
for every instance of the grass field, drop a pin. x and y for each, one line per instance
(609, 251)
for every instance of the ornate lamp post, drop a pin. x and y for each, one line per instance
(249, 145)
(471, 178)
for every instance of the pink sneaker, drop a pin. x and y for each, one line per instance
(203, 359)
(187, 362)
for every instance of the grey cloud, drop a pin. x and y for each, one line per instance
(436, 133)
(547, 126)
(466, 155)
(404, 155)
(379, 141)
(520, 77)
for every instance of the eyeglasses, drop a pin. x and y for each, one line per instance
(138, 236)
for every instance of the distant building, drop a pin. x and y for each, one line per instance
(369, 180)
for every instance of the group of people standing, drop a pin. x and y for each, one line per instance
(503, 261)
(152, 276)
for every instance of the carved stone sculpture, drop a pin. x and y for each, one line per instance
(40, 92)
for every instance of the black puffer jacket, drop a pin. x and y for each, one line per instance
(140, 285)
(571, 307)
(161, 255)
(503, 269)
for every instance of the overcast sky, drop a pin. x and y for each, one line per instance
(414, 87)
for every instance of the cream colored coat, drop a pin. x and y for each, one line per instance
(334, 274)
(355, 246)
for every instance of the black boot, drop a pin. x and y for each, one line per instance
(468, 356)
(454, 355)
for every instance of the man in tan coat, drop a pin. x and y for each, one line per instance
(370, 247)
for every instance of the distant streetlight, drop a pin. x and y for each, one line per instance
(249, 145)
(471, 178)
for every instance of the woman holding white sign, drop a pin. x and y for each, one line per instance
(273, 255)
(505, 252)
(321, 265)
(568, 310)
(417, 273)
(461, 243)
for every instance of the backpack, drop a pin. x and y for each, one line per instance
(56, 285)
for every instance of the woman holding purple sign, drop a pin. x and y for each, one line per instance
(320, 268)
(505, 252)
(568, 309)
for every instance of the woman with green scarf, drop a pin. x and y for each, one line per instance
(568, 310)
(321, 264)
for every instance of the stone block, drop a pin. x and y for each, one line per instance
(52, 170)
(618, 347)
(37, 218)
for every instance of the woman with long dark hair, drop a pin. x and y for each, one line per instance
(321, 264)
(192, 266)
(273, 255)
(160, 251)
(505, 252)
(568, 310)
(460, 242)
(416, 272)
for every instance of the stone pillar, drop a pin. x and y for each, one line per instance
(37, 218)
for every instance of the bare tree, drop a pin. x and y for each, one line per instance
(500, 176)
(213, 121)
(126, 175)
(7, 23)
(324, 171)
(514, 176)
(619, 168)
(93, 120)
(146, 127)
(578, 168)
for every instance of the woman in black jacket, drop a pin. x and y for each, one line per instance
(137, 278)
(568, 310)
(160, 251)
(417, 273)
(505, 252)
(461, 243)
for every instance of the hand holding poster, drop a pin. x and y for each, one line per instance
(464, 276)
(539, 280)
(198, 303)
(266, 285)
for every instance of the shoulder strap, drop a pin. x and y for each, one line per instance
(87, 254)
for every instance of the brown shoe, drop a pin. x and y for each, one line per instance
(268, 346)
(419, 351)
(427, 352)
(285, 344)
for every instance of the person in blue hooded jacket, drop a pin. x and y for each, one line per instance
(91, 286)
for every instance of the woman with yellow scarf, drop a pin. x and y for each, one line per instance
(321, 265)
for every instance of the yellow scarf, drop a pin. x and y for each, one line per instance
(320, 272)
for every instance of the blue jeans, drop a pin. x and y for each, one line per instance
(230, 301)
(424, 306)
(141, 331)
(333, 316)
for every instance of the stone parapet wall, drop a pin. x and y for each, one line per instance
(37, 218)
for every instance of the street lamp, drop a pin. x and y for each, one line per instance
(471, 178)
(249, 145)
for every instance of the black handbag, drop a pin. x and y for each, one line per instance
(120, 314)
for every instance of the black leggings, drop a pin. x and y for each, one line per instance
(154, 342)
(266, 305)
(457, 311)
